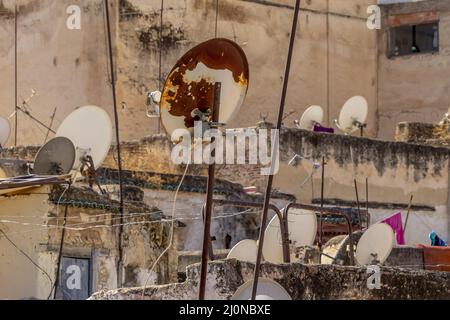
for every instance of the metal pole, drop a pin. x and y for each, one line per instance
(50, 126)
(275, 149)
(358, 204)
(209, 201)
(367, 200)
(161, 25)
(407, 215)
(15, 76)
(116, 122)
(322, 195)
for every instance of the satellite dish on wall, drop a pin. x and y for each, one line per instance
(246, 250)
(312, 116)
(267, 290)
(188, 93)
(353, 115)
(5, 131)
(56, 157)
(90, 130)
(302, 226)
(375, 245)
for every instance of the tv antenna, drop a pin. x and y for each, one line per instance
(353, 116)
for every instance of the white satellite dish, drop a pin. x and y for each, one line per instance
(302, 225)
(246, 250)
(5, 131)
(267, 290)
(312, 116)
(90, 130)
(188, 93)
(353, 115)
(375, 245)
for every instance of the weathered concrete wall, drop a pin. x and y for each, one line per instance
(302, 282)
(67, 68)
(18, 275)
(413, 88)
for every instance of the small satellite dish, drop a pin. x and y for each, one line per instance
(188, 93)
(90, 130)
(267, 290)
(246, 250)
(353, 115)
(5, 131)
(56, 157)
(312, 116)
(375, 245)
(302, 225)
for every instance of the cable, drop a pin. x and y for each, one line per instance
(171, 232)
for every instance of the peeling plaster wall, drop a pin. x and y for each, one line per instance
(18, 275)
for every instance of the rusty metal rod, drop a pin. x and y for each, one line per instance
(119, 157)
(358, 203)
(209, 200)
(367, 200)
(322, 195)
(407, 214)
(275, 149)
(15, 76)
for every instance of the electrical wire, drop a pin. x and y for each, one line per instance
(171, 233)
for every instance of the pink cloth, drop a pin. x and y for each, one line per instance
(396, 223)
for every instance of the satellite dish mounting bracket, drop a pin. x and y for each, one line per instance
(88, 171)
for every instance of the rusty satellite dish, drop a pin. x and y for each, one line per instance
(188, 93)
(56, 157)
(90, 130)
(5, 131)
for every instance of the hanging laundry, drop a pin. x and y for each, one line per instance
(319, 128)
(436, 241)
(396, 223)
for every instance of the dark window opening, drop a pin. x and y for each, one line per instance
(415, 39)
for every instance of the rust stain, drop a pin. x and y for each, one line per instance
(217, 54)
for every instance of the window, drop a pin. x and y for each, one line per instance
(413, 39)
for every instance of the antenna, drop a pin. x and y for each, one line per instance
(5, 131)
(245, 250)
(56, 157)
(82, 127)
(375, 245)
(302, 226)
(353, 116)
(267, 290)
(189, 89)
(311, 117)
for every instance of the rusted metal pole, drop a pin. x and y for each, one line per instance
(160, 80)
(407, 215)
(209, 201)
(322, 196)
(15, 77)
(119, 157)
(367, 200)
(275, 149)
(358, 203)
